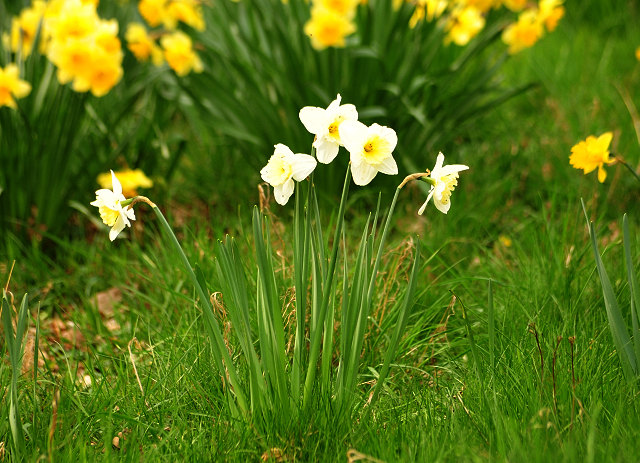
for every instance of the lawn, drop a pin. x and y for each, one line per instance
(503, 352)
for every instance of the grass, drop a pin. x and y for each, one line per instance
(516, 219)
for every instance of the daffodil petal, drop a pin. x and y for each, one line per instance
(353, 134)
(602, 174)
(388, 166)
(363, 173)
(117, 187)
(301, 166)
(314, 119)
(326, 150)
(283, 192)
(452, 169)
(424, 206)
(442, 207)
(117, 228)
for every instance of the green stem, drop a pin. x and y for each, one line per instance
(208, 311)
(624, 163)
(314, 350)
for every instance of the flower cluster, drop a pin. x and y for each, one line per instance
(370, 150)
(531, 25)
(463, 19)
(85, 48)
(175, 47)
(331, 21)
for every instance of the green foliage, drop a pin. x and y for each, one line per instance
(628, 355)
(56, 143)
(261, 69)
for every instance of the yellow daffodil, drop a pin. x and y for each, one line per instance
(515, 5)
(141, 45)
(74, 20)
(370, 149)
(178, 51)
(638, 53)
(130, 180)
(283, 168)
(11, 86)
(464, 25)
(109, 204)
(24, 28)
(550, 13)
(592, 153)
(431, 9)
(443, 180)
(187, 11)
(483, 5)
(153, 11)
(524, 33)
(327, 28)
(346, 8)
(325, 124)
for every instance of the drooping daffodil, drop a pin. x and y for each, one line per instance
(325, 124)
(443, 180)
(283, 168)
(592, 153)
(370, 149)
(112, 213)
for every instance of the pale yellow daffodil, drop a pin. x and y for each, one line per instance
(283, 168)
(325, 124)
(443, 180)
(109, 204)
(370, 149)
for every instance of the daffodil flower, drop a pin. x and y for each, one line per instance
(283, 168)
(109, 204)
(591, 154)
(443, 180)
(325, 124)
(370, 149)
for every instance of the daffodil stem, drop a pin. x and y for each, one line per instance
(208, 311)
(624, 163)
(314, 350)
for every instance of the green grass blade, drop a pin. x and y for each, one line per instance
(618, 328)
(314, 349)
(633, 285)
(491, 329)
(400, 327)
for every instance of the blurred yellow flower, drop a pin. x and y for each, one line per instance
(186, 11)
(71, 19)
(464, 24)
(505, 241)
(141, 45)
(153, 11)
(11, 86)
(25, 27)
(524, 33)
(129, 179)
(592, 153)
(551, 11)
(346, 8)
(515, 5)
(327, 28)
(178, 51)
(483, 5)
(638, 53)
(429, 8)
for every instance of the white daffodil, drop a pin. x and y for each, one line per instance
(324, 124)
(370, 149)
(283, 168)
(443, 180)
(109, 204)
